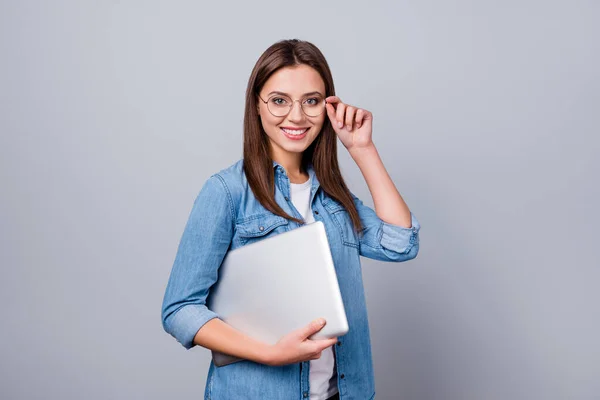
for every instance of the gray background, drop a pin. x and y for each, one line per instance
(113, 114)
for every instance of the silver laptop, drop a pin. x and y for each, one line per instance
(271, 287)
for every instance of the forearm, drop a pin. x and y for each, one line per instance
(222, 337)
(389, 204)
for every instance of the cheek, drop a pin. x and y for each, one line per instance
(319, 124)
(270, 119)
(270, 127)
(268, 122)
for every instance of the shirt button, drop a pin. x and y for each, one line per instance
(305, 394)
(316, 212)
(342, 376)
(287, 198)
(339, 343)
(261, 228)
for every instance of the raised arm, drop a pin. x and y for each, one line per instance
(391, 230)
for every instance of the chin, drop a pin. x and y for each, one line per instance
(294, 149)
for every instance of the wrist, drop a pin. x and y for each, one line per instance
(267, 355)
(363, 151)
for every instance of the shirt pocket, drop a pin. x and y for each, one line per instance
(341, 218)
(258, 227)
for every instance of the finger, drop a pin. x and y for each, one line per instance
(339, 114)
(322, 344)
(360, 114)
(311, 328)
(331, 114)
(328, 343)
(350, 113)
(325, 344)
(333, 99)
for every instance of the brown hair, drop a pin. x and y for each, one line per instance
(258, 164)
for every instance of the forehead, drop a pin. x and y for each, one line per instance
(295, 81)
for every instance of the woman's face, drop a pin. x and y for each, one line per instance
(296, 82)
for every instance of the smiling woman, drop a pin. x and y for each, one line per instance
(281, 120)
(289, 176)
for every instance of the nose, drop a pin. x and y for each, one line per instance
(296, 113)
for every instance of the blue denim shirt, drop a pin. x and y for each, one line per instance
(226, 215)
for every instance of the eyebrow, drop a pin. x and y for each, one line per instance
(286, 94)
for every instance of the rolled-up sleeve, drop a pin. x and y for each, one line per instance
(383, 241)
(202, 248)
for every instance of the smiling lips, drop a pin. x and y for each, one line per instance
(294, 133)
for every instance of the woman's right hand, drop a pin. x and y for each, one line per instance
(296, 347)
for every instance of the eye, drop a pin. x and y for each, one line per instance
(280, 101)
(312, 101)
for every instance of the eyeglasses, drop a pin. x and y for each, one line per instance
(280, 105)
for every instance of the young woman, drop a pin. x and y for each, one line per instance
(288, 176)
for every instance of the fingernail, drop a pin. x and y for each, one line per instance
(321, 321)
(340, 124)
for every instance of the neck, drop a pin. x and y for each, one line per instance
(292, 163)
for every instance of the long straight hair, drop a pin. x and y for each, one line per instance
(322, 153)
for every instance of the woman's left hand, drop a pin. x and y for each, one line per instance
(356, 123)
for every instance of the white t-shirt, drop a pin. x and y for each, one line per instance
(323, 374)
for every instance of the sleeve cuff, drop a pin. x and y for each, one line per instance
(187, 321)
(398, 238)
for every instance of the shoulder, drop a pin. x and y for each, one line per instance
(232, 177)
(232, 173)
(229, 181)
(221, 190)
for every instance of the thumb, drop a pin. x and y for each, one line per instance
(313, 327)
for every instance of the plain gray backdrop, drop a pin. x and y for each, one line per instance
(114, 113)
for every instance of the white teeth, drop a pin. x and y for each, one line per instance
(294, 132)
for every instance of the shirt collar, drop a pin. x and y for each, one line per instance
(310, 169)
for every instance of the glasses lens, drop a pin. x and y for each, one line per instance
(313, 106)
(279, 105)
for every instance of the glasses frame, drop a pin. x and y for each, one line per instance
(290, 107)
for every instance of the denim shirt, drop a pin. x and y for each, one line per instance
(226, 215)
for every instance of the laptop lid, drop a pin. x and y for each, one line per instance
(269, 288)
